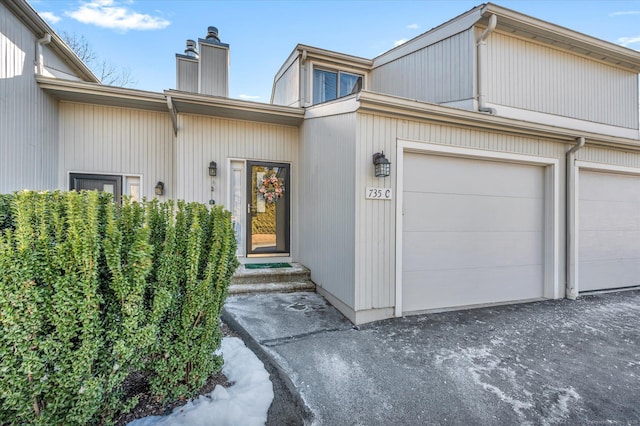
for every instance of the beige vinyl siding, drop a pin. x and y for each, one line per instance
(287, 88)
(327, 203)
(204, 139)
(531, 76)
(609, 156)
(54, 66)
(111, 140)
(375, 220)
(29, 120)
(214, 70)
(441, 72)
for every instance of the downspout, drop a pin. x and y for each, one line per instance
(481, 45)
(571, 221)
(39, 60)
(303, 87)
(173, 115)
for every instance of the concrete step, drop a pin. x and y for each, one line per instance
(271, 280)
(296, 273)
(279, 287)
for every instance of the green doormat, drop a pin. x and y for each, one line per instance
(266, 265)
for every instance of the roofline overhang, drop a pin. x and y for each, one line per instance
(377, 103)
(95, 93)
(193, 103)
(39, 27)
(183, 102)
(510, 21)
(562, 37)
(324, 55)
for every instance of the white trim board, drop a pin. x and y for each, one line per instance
(552, 253)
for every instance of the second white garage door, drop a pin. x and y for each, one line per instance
(609, 231)
(473, 232)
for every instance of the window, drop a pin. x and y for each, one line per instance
(329, 85)
(106, 183)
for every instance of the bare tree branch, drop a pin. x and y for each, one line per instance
(108, 74)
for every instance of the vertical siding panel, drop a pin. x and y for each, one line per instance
(327, 244)
(431, 74)
(528, 75)
(114, 140)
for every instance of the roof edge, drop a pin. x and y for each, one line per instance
(39, 26)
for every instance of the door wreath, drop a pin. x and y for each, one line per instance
(271, 188)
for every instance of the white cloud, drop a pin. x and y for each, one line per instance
(249, 97)
(50, 17)
(399, 42)
(626, 41)
(108, 14)
(628, 12)
(413, 26)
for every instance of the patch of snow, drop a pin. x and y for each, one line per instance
(559, 409)
(246, 402)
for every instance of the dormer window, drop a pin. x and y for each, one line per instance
(331, 84)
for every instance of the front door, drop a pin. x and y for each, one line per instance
(268, 212)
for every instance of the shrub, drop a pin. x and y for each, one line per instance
(90, 293)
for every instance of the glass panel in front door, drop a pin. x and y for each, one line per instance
(268, 208)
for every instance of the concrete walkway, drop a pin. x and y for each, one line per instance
(553, 362)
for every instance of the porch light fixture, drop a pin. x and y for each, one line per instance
(213, 168)
(159, 188)
(381, 164)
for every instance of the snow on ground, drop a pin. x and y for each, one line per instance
(244, 403)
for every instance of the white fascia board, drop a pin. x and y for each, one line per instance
(444, 31)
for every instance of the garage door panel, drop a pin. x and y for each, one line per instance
(614, 273)
(609, 215)
(608, 245)
(609, 230)
(436, 250)
(599, 186)
(489, 177)
(466, 287)
(473, 213)
(473, 232)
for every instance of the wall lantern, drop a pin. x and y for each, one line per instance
(159, 188)
(213, 168)
(381, 164)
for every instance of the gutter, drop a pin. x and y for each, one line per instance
(571, 222)
(481, 45)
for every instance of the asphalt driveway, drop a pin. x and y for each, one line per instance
(552, 362)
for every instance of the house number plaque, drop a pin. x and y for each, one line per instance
(378, 193)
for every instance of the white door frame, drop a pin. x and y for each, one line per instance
(551, 198)
(573, 284)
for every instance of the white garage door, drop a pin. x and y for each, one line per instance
(472, 232)
(609, 231)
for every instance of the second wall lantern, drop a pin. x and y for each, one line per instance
(213, 168)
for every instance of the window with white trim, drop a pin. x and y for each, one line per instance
(332, 84)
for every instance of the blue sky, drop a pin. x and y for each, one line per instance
(144, 35)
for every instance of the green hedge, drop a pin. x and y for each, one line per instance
(91, 292)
